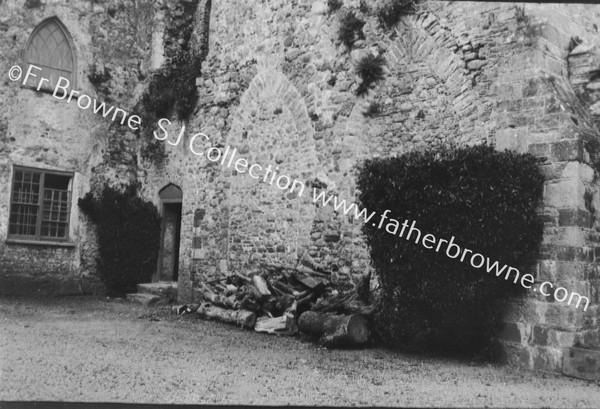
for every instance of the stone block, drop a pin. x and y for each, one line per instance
(547, 359)
(514, 139)
(582, 363)
(560, 339)
(539, 336)
(570, 253)
(552, 171)
(566, 236)
(563, 317)
(590, 339)
(565, 193)
(516, 355)
(560, 151)
(569, 270)
(570, 150)
(579, 170)
(475, 64)
(541, 150)
(574, 217)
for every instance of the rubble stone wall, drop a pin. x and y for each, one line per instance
(278, 85)
(457, 73)
(40, 131)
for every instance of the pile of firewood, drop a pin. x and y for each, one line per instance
(280, 299)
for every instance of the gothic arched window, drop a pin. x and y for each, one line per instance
(50, 48)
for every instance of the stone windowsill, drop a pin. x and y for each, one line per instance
(40, 243)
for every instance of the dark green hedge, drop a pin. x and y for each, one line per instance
(487, 200)
(128, 231)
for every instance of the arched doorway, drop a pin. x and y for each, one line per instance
(171, 198)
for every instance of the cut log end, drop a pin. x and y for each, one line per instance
(335, 330)
(358, 329)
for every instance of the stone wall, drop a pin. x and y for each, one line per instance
(279, 86)
(44, 132)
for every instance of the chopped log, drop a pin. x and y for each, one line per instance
(270, 325)
(277, 292)
(253, 291)
(246, 319)
(231, 289)
(261, 285)
(221, 301)
(308, 261)
(207, 288)
(310, 271)
(243, 277)
(281, 286)
(283, 325)
(218, 280)
(312, 284)
(304, 296)
(335, 330)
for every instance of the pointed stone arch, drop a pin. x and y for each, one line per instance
(271, 127)
(51, 48)
(171, 192)
(171, 199)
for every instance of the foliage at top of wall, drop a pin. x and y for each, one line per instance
(171, 89)
(524, 24)
(487, 202)
(128, 229)
(390, 13)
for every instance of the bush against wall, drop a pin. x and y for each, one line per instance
(128, 231)
(487, 200)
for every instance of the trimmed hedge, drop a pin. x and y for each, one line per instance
(484, 198)
(128, 231)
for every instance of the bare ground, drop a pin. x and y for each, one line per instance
(84, 349)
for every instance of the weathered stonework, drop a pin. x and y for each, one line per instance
(277, 84)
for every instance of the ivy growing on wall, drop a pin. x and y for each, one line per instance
(128, 230)
(392, 11)
(171, 90)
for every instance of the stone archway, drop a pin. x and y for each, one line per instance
(171, 198)
(271, 127)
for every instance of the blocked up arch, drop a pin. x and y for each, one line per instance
(271, 128)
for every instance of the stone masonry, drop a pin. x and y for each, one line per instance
(279, 86)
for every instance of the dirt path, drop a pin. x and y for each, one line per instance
(84, 349)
